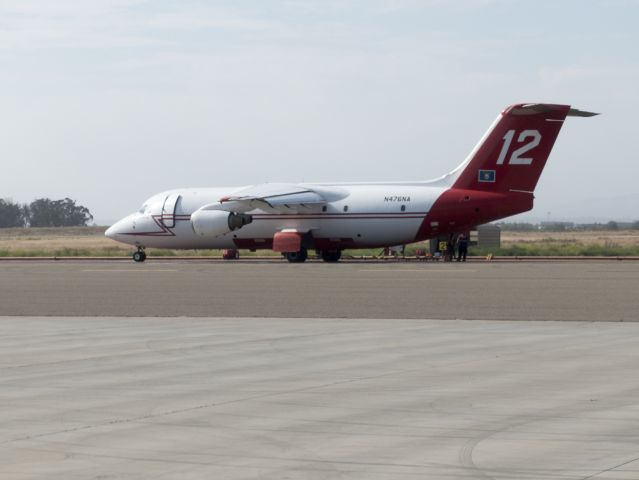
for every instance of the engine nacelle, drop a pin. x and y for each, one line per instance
(213, 223)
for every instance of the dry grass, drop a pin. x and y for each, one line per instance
(620, 238)
(55, 239)
(91, 241)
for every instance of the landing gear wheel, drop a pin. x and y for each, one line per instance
(331, 256)
(297, 257)
(139, 256)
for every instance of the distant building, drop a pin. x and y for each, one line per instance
(485, 236)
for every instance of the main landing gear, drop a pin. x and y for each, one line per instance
(297, 257)
(140, 255)
(331, 256)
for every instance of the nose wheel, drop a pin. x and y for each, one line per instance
(139, 256)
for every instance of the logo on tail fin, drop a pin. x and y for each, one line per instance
(486, 176)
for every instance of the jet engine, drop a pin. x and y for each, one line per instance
(213, 223)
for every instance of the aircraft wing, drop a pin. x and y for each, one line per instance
(280, 197)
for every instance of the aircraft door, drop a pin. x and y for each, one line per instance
(168, 210)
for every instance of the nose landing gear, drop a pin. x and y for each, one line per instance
(140, 255)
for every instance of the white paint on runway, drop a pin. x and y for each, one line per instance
(128, 270)
(418, 270)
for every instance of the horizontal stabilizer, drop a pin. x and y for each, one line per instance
(545, 108)
(573, 112)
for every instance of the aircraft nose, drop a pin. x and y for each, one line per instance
(111, 232)
(118, 229)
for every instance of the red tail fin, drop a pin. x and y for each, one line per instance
(514, 152)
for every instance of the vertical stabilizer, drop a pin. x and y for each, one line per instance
(513, 153)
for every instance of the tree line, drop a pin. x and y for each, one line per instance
(43, 212)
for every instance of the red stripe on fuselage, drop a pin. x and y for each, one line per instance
(168, 231)
(164, 230)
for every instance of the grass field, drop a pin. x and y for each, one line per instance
(617, 237)
(90, 241)
(578, 243)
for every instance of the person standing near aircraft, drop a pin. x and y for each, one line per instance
(450, 247)
(462, 247)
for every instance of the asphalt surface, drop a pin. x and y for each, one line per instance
(113, 370)
(214, 398)
(594, 291)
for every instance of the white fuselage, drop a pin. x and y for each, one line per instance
(361, 215)
(495, 181)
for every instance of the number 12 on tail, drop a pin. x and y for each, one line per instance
(516, 157)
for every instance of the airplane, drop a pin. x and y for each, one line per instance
(495, 181)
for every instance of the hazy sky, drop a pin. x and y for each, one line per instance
(111, 101)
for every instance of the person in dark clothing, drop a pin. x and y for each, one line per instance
(450, 249)
(462, 247)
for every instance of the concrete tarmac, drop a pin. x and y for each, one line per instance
(601, 291)
(121, 370)
(246, 398)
